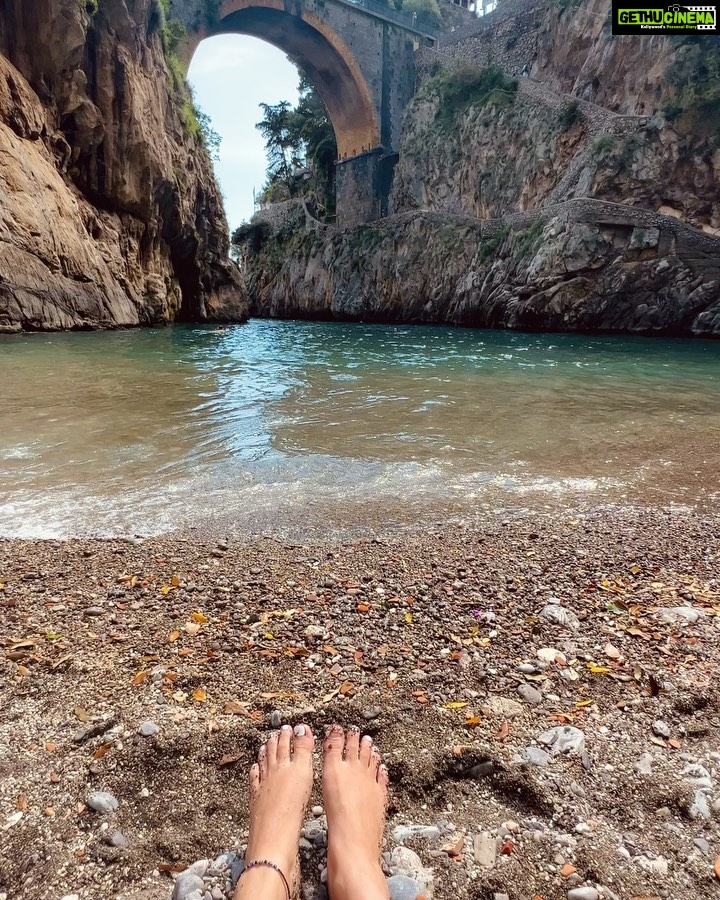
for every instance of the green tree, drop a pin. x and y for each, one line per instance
(301, 150)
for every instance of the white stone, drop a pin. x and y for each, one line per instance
(563, 739)
(485, 849)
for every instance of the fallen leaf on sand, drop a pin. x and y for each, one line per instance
(229, 759)
(141, 677)
(503, 732)
(199, 617)
(457, 704)
(172, 868)
(80, 714)
(199, 695)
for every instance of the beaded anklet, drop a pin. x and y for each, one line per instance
(268, 864)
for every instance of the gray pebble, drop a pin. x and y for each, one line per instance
(318, 811)
(527, 669)
(94, 611)
(402, 833)
(661, 729)
(530, 694)
(186, 884)
(402, 888)
(102, 802)
(118, 839)
(372, 713)
(583, 893)
(149, 728)
(536, 757)
(236, 869)
(482, 770)
(703, 845)
(276, 718)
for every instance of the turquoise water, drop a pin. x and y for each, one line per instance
(267, 425)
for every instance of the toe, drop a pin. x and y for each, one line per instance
(352, 744)
(366, 747)
(254, 782)
(375, 759)
(383, 778)
(272, 746)
(263, 762)
(283, 744)
(334, 742)
(303, 742)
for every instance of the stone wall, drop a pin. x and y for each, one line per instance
(506, 37)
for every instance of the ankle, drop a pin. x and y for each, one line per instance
(357, 880)
(261, 882)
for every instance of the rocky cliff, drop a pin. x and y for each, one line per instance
(109, 211)
(580, 266)
(584, 196)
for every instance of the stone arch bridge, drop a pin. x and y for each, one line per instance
(359, 56)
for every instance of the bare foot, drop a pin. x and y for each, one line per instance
(355, 789)
(280, 786)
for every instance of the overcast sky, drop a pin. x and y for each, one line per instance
(231, 75)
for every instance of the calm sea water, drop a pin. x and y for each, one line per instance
(274, 425)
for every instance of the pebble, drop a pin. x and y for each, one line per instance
(118, 839)
(66, 897)
(530, 694)
(102, 802)
(557, 614)
(318, 811)
(406, 862)
(482, 770)
(661, 729)
(703, 845)
(504, 707)
(485, 849)
(402, 833)
(657, 866)
(186, 884)
(673, 613)
(403, 888)
(583, 893)
(563, 739)
(536, 757)
(644, 765)
(699, 808)
(276, 718)
(501, 897)
(94, 611)
(373, 713)
(149, 728)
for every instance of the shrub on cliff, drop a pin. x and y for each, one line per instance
(458, 88)
(426, 10)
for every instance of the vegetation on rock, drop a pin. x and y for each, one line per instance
(458, 88)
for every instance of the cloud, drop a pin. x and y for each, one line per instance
(231, 76)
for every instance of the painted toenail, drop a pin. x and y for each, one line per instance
(287, 728)
(367, 738)
(300, 731)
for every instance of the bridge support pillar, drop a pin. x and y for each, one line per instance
(363, 186)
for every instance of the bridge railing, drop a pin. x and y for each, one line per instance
(412, 21)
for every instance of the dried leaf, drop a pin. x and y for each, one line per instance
(473, 722)
(23, 670)
(81, 715)
(457, 704)
(234, 708)
(175, 581)
(598, 670)
(409, 618)
(199, 695)
(174, 636)
(363, 607)
(503, 732)
(22, 802)
(141, 677)
(583, 703)
(172, 868)
(346, 688)
(101, 751)
(229, 759)
(50, 747)
(675, 743)
(199, 617)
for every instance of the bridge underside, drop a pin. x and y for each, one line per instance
(363, 70)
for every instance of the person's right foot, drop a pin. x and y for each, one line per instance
(355, 789)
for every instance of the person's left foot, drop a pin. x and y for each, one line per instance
(280, 787)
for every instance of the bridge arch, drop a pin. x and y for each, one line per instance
(320, 53)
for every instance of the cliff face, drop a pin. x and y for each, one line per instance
(580, 267)
(582, 197)
(109, 211)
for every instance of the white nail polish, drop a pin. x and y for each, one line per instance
(286, 728)
(300, 731)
